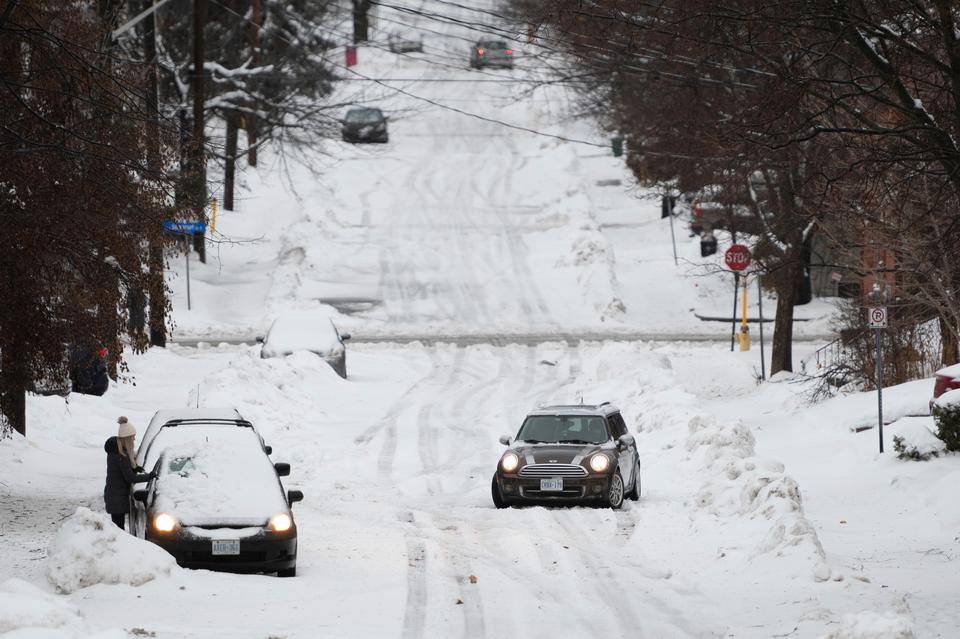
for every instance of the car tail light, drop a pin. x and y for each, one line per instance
(697, 212)
(102, 353)
(509, 51)
(480, 51)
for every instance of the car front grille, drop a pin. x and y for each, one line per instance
(577, 492)
(207, 557)
(553, 470)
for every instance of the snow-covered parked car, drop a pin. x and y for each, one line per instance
(569, 454)
(171, 425)
(404, 43)
(945, 379)
(217, 501)
(307, 331)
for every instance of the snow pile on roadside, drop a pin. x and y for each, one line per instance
(89, 549)
(26, 612)
(871, 625)
(592, 255)
(914, 438)
(23, 605)
(746, 485)
(275, 393)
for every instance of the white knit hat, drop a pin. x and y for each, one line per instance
(126, 428)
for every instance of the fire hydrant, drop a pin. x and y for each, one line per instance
(743, 337)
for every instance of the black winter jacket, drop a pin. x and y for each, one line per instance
(120, 476)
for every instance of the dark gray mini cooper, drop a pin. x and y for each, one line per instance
(569, 455)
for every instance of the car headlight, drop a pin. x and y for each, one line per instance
(164, 523)
(280, 523)
(509, 462)
(599, 463)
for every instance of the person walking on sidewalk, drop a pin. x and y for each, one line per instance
(122, 471)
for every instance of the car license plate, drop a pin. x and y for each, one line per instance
(552, 484)
(226, 546)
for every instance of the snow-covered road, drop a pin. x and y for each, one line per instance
(514, 280)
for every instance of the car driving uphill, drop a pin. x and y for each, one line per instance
(569, 455)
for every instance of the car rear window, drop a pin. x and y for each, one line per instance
(364, 116)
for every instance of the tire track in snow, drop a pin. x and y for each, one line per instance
(427, 432)
(415, 608)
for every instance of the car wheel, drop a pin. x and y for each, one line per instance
(634, 493)
(615, 493)
(495, 493)
(288, 572)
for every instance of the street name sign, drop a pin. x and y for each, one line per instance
(184, 228)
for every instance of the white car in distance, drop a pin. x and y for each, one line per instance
(310, 331)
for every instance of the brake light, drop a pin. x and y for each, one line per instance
(480, 51)
(102, 353)
(697, 212)
(509, 51)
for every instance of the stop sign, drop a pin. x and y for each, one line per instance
(737, 257)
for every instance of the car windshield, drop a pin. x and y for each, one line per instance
(560, 429)
(223, 480)
(364, 116)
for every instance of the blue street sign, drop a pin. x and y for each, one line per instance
(184, 228)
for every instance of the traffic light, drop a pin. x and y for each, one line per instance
(617, 145)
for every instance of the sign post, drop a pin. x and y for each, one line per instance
(186, 229)
(737, 258)
(763, 363)
(877, 320)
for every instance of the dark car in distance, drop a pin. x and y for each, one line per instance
(216, 501)
(365, 124)
(491, 53)
(569, 454)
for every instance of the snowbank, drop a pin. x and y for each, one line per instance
(914, 437)
(870, 625)
(742, 484)
(23, 605)
(89, 549)
(26, 612)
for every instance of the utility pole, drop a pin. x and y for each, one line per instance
(199, 158)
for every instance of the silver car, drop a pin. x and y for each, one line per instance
(309, 331)
(491, 53)
(403, 43)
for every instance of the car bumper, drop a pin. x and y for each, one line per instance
(493, 62)
(257, 554)
(515, 490)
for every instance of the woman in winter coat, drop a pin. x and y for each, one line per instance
(122, 471)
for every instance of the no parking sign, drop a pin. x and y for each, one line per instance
(877, 317)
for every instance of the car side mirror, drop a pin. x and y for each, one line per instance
(505, 440)
(293, 496)
(625, 441)
(268, 449)
(260, 339)
(282, 469)
(345, 336)
(140, 495)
